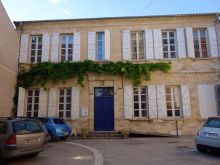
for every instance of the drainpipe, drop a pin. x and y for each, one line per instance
(177, 129)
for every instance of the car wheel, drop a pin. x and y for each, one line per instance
(201, 148)
(1, 159)
(33, 155)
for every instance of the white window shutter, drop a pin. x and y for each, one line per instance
(207, 101)
(158, 48)
(190, 42)
(128, 102)
(45, 48)
(149, 45)
(181, 43)
(213, 42)
(91, 45)
(42, 103)
(52, 105)
(21, 102)
(161, 101)
(185, 101)
(75, 103)
(55, 47)
(126, 44)
(107, 45)
(24, 48)
(76, 47)
(152, 99)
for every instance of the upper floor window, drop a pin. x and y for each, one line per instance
(140, 102)
(100, 48)
(218, 98)
(200, 42)
(137, 45)
(65, 98)
(173, 101)
(67, 47)
(36, 49)
(169, 44)
(33, 102)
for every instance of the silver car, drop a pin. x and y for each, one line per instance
(19, 137)
(208, 137)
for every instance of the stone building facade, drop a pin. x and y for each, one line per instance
(183, 97)
(9, 52)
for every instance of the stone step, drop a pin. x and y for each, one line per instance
(104, 134)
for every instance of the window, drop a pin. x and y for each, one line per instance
(173, 101)
(100, 48)
(200, 43)
(36, 49)
(3, 127)
(218, 98)
(33, 102)
(169, 44)
(137, 45)
(26, 127)
(67, 47)
(65, 102)
(140, 102)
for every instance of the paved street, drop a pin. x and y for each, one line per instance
(134, 151)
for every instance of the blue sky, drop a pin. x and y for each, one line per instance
(19, 10)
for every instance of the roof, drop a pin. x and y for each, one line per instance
(108, 18)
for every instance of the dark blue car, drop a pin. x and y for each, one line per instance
(57, 128)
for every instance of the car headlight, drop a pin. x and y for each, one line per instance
(59, 130)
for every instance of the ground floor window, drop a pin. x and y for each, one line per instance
(65, 97)
(218, 98)
(140, 102)
(173, 104)
(33, 102)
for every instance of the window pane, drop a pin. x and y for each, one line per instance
(177, 112)
(61, 99)
(37, 92)
(143, 106)
(69, 92)
(143, 98)
(61, 107)
(68, 114)
(136, 113)
(169, 113)
(135, 90)
(29, 107)
(30, 92)
(68, 107)
(136, 98)
(144, 113)
(35, 106)
(60, 113)
(173, 54)
(136, 105)
(68, 99)
(36, 100)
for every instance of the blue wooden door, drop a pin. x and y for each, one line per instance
(104, 109)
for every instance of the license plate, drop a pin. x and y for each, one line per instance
(66, 133)
(32, 140)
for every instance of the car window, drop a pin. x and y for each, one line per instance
(43, 120)
(214, 123)
(26, 127)
(58, 121)
(3, 127)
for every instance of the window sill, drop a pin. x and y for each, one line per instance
(141, 119)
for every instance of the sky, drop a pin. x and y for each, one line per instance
(21, 10)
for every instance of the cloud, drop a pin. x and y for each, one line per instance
(67, 13)
(55, 1)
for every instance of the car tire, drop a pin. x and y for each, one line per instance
(33, 155)
(1, 159)
(201, 148)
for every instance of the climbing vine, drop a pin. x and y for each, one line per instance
(41, 73)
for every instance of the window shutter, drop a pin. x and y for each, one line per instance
(21, 102)
(128, 102)
(55, 47)
(75, 103)
(158, 52)
(107, 45)
(152, 99)
(161, 102)
(76, 47)
(42, 103)
(149, 45)
(91, 45)
(52, 105)
(126, 43)
(24, 48)
(213, 42)
(185, 101)
(45, 48)
(181, 43)
(207, 101)
(190, 42)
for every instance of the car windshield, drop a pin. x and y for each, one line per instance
(43, 120)
(214, 123)
(59, 121)
(3, 127)
(26, 127)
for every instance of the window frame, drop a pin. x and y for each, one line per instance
(33, 112)
(140, 101)
(64, 103)
(137, 45)
(168, 45)
(67, 48)
(102, 46)
(36, 49)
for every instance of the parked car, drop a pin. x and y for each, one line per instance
(20, 137)
(57, 128)
(208, 137)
